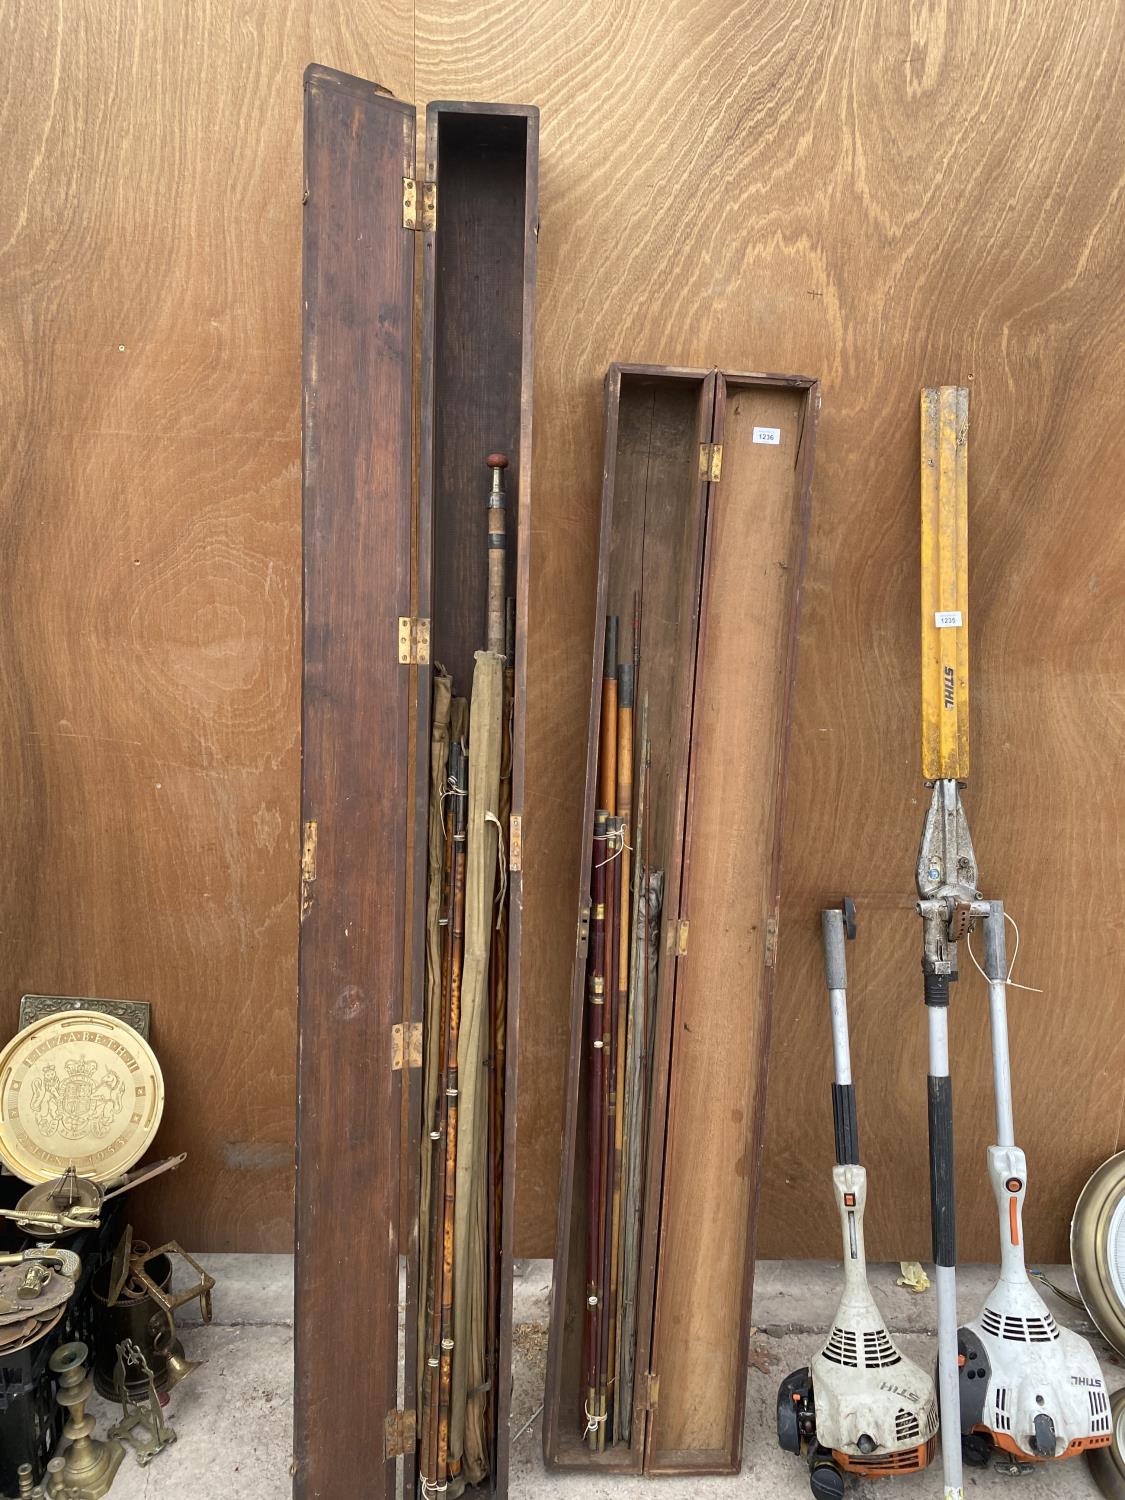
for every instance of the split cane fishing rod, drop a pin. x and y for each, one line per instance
(617, 1033)
(438, 1126)
(497, 554)
(595, 997)
(499, 639)
(459, 790)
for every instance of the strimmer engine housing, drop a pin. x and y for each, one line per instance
(1032, 1388)
(876, 1411)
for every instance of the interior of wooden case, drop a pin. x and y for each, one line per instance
(711, 1028)
(478, 286)
(654, 534)
(474, 305)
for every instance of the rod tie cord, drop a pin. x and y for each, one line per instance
(490, 817)
(450, 789)
(616, 838)
(592, 1422)
(1008, 980)
(431, 1487)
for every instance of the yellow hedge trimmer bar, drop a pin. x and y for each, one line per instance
(945, 583)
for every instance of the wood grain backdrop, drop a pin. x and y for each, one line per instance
(884, 195)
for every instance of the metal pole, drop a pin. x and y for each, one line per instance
(836, 927)
(996, 967)
(836, 978)
(944, 1230)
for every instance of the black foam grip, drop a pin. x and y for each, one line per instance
(943, 1218)
(844, 1122)
(936, 988)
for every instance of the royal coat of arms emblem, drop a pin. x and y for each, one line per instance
(79, 1104)
(77, 1089)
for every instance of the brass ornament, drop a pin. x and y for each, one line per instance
(77, 1090)
(141, 1425)
(61, 1206)
(70, 1203)
(134, 1300)
(135, 1013)
(90, 1463)
(12, 1335)
(18, 1300)
(168, 1302)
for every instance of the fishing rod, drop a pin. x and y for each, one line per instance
(459, 794)
(618, 1036)
(438, 1136)
(497, 555)
(595, 995)
(466, 957)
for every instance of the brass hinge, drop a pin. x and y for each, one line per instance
(398, 1433)
(308, 866)
(426, 221)
(413, 641)
(515, 842)
(406, 1046)
(681, 935)
(650, 1391)
(711, 461)
(771, 942)
(584, 925)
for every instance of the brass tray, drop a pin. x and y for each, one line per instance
(1107, 1465)
(77, 1089)
(1097, 1249)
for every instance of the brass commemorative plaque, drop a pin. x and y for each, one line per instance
(78, 1089)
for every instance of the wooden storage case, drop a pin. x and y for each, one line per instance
(705, 513)
(391, 586)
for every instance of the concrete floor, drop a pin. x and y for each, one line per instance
(234, 1422)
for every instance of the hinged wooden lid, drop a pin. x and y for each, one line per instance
(378, 616)
(358, 359)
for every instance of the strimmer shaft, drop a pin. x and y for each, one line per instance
(996, 967)
(944, 1234)
(949, 903)
(837, 926)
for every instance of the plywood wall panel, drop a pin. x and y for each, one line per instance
(149, 550)
(884, 196)
(881, 195)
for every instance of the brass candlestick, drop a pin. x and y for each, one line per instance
(90, 1463)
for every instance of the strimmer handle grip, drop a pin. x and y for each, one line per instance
(837, 927)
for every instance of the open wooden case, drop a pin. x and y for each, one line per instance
(705, 514)
(395, 571)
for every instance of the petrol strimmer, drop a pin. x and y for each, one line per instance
(1029, 1388)
(1012, 1379)
(861, 1407)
